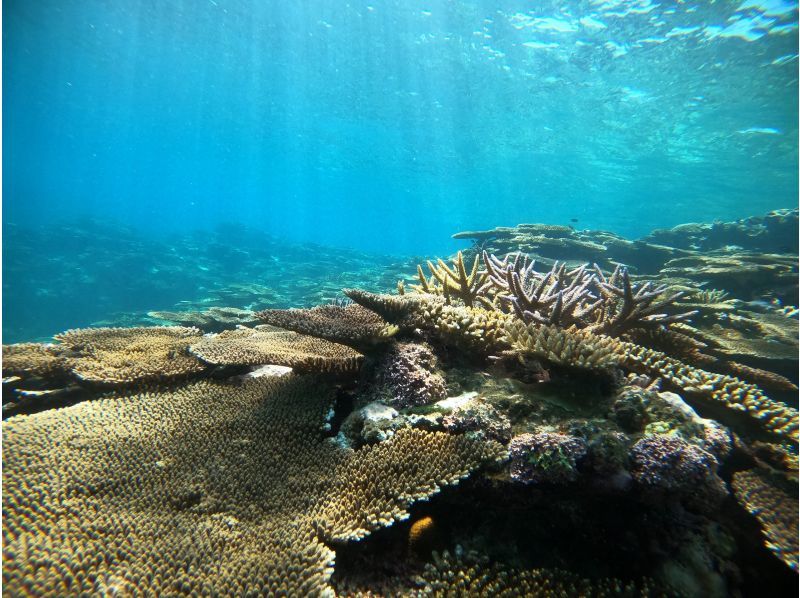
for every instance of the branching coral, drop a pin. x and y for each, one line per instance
(625, 307)
(246, 346)
(130, 355)
(454, 281)
(587, 349)
(774, 508)
(352, 325)
(211, 489)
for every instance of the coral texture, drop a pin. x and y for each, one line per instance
(470, 575)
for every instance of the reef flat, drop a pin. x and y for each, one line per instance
(549, 412)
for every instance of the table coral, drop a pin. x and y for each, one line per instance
(130, 355)
(246, 346)
(213, 488)
(351, 325)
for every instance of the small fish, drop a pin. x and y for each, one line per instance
(573, 219)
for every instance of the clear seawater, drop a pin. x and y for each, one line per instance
(380, 127)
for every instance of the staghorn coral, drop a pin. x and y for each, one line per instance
(472, 575)
(625, 307)
(454, 281)
(352, 325)
(570, 346)
(246, 346)
(37, 360)
(130, 355)
(558, 297)
(211, 489)
(775, 509)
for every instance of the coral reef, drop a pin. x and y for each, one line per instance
(247, 346)
(238, 461)
(211, 488)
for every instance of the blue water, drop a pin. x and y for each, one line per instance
(387, 126)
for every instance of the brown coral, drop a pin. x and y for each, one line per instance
(211, 489)
(775, 509)
(352, 324)
(130, 355)
(246, 346)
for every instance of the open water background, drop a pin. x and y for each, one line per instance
(382, 127)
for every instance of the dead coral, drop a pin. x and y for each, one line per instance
(212, 489)
(130, 355)
(246, 346)
(775, 509)
(351, 324)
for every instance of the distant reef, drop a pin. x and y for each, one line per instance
(549, 412)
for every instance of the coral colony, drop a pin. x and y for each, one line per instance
(519, 420)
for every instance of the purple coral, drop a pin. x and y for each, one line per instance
(407, 374)
(669, 464)
(546, 457)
